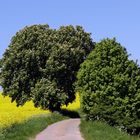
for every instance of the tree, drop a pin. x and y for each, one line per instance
(40, 64)
(109, 84)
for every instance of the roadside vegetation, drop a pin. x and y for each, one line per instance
(96, 130)
(109, 85)
(28, 129)
(20, 123)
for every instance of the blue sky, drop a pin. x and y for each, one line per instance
(103, 18)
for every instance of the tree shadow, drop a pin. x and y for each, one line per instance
(70, 113)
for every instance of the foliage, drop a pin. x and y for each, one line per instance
(75, 105)
(109, 84)
(40, 64)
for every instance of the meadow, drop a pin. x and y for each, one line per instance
(11, 114)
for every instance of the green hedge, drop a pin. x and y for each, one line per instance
(109, 84)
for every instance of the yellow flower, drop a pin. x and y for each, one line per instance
(10, 113)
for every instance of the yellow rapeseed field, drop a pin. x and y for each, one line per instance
(10, 114)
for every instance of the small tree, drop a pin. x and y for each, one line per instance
(40, 64)
(109, 84)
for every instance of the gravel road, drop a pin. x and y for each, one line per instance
(63, 130)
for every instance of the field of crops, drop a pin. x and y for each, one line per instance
(10, 114)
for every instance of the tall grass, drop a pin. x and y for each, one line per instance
(95, 130)
(28, 129)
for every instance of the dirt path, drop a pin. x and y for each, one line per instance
(63, 130)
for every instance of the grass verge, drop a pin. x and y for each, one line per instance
(28, 129)
(95, 130)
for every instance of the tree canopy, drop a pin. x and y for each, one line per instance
(109, 84)
(41, 63)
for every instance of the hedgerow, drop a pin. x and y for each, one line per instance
(109, 84)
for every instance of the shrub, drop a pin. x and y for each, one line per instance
(41, 63)
(109, 84)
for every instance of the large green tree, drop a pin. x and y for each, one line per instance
(40, 64)
(109, 84)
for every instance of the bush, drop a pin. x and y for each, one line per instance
(40, 64)
(109, 84)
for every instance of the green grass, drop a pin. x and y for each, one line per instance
(95, 130)
(29, 128)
